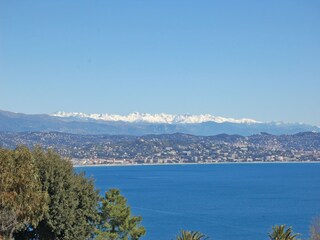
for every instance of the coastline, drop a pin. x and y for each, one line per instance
(174, 164)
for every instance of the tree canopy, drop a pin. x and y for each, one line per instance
(41, 197)
(281, 233)
(191, 235)
(116, 220)
(73, 201)
(22, 200)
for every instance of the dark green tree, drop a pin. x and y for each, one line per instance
(191, 235)
(73, 201)
(116, 220)
(281, 233)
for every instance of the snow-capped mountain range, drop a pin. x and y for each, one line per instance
(138, 124)
(155, 118)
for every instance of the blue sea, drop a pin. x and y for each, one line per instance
(224, 201)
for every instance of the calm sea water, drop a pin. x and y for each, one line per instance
(224, 201)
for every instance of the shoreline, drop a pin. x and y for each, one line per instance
(173, 164)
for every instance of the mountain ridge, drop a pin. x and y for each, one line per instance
(154, 118)
(19, 122)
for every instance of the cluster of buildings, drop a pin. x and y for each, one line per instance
(200, 152)
(172, 148)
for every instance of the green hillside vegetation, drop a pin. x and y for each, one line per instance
(41, 197)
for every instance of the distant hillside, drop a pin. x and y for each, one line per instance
(17, 122)
(173, 147)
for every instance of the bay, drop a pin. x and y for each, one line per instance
(224, 201)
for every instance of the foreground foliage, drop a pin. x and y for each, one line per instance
(281, 233)
(315, 229)
(22, 200)
(41, 197)
(116, 220)
(191, 235)
(72, 208)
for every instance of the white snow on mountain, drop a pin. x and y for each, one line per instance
(154, 118)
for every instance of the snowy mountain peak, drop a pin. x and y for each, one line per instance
(154, 118)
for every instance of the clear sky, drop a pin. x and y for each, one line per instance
(254, 59)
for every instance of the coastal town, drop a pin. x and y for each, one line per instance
(172, 148)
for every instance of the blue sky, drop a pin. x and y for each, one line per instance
(254, 59)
